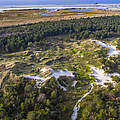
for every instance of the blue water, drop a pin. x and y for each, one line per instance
(58, 2)
(79, 11)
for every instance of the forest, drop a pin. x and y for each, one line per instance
(17, 38)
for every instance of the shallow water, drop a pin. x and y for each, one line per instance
(56, 7)
(74, 13)
(78, 10)
(52, 10)
(36, 13)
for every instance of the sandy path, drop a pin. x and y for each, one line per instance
(53, 73)
(77, 106)
(101, 77)
(112, 49)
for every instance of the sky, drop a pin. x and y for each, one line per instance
(44, 2)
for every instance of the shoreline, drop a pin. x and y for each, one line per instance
(113, 7)
(25, 14)
(61, 5)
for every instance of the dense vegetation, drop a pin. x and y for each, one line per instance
(20, 99)
(52, 103)
(17, 38)
(106, 105)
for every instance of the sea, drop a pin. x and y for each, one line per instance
(55, 2)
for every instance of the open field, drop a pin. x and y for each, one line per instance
(15, 17)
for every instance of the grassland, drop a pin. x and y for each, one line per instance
(15, 17)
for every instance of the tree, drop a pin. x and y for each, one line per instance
(53, 94)
(31, 115)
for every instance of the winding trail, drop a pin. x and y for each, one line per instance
(77, 106)
(101, 77)
(112, 49)
(56, 74)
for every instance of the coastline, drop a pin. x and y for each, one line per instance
(18, 15)
(61, 5)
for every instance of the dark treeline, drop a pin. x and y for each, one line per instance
(17, 38)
